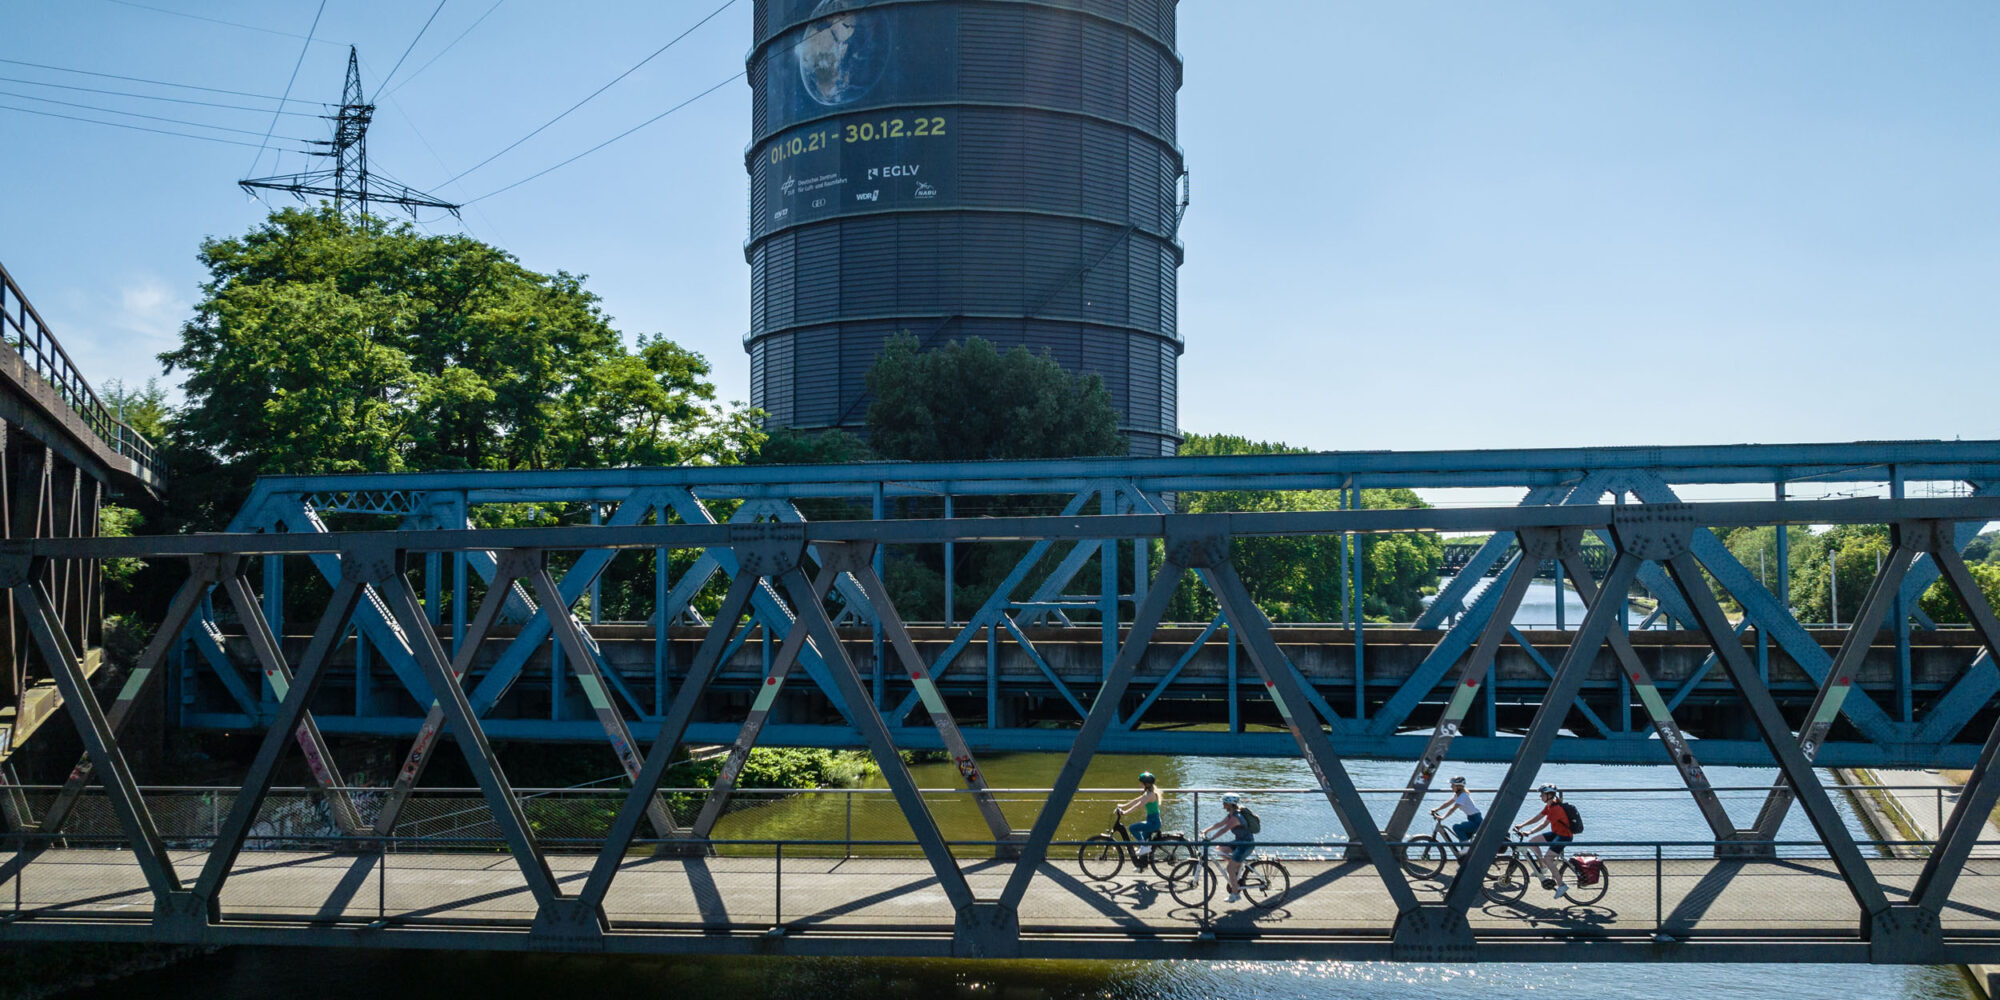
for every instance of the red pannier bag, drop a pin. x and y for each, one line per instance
(1588, 869)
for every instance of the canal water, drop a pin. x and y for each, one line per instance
(257, 974)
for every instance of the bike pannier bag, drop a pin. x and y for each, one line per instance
(1588, 869)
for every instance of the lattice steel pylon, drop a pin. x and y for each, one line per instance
(348, 183)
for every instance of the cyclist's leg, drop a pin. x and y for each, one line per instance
(1144, 830)
(1465, 828)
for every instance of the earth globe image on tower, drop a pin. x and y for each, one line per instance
(841, 53)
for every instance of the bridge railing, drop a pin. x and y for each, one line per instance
(25, 332)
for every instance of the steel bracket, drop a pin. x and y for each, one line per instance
(1905, 934)
(567, 925)
(767, 548)
(987, 930)
(181, 915)
(1198, 541)
(1432, 932)
(1655, 532)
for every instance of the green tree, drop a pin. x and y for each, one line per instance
(1857, 549)
(1298, 579)
(966, 400)
(327, 344)
(142, 408)
(1942, 603)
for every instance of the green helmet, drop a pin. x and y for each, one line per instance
(1146, 777)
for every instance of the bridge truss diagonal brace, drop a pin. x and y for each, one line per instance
(1452, 598)
(1772, 618)
(1679, 752)
(1516, 580)
(507, 569)
(1793, 764)
(185, 606)
(289, 720)
(702, 670)
(1836, 689)
(21, 575)
(271, 658)
(1982, 788)
(595, 688)
(383, 571)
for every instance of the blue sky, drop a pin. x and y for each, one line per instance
(1414, 225)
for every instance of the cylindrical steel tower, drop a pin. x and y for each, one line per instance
(1003, 169)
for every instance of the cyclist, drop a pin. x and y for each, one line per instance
(1144, 830)
(1556, 819)
(1233, 823)
(1460, 803)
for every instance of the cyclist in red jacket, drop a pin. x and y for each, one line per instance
(1556, 819)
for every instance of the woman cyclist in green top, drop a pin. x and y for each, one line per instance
(1144, 830)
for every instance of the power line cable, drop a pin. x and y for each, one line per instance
(303, 49)
(157, 83)
(216, 20)
(132, 114)
(593, 94)
(447, 48)
(607, 142)
(136, 128)
(411, 46)
(151, 97)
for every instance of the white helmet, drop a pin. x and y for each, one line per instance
(1231, 798)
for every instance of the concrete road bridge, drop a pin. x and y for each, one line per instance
(652, 879)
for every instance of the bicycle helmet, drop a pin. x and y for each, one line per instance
(1551, 790)
(1458, 780)
(1145, 777)
(1231, 799)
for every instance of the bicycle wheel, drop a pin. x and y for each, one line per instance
(1170, 849)
(1424, 856)
(1506, 879)
(1191, 882)
(1579, 894)
(1266, 883)
(1100, 857)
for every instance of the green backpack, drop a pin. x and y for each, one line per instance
(1249, 820)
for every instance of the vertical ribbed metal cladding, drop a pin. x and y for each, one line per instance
(1004, 169)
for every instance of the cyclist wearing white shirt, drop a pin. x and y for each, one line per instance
(1461, 802)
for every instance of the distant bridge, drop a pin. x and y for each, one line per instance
(1017, 904)
(63, 454)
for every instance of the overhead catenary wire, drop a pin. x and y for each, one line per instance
(136, 128)
(131, 114)
(412, 46)
(157, 83)
(216, 20)
(447, 48)
(733, 78)
(151, 97)
(593, 94)
(303, 49)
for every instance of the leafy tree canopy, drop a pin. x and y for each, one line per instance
(966, 401)
(327, 344)
(1299, 579)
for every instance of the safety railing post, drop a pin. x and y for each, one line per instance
(849, 851)
(382, 880)
(1659, 890)
(1938, 830)
(778, 887)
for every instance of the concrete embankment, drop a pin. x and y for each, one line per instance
(1913, 805)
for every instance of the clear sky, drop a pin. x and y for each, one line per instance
(1414, 225)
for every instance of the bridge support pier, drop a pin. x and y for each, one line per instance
(1904, 934)
(987, 930)
(1432, 932)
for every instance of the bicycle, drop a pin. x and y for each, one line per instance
(1265, 881)
(1570, 875)
(1425, 857)
(1103, 856)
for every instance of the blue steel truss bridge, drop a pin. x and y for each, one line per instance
(845, 667)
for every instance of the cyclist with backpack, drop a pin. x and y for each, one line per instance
(1461, 802)
(1563, 823)
(1144, 830)
(1243, 825)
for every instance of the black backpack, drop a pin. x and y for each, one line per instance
(1249, 820)
(1575, 818)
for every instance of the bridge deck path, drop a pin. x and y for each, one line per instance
(1804, 897)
